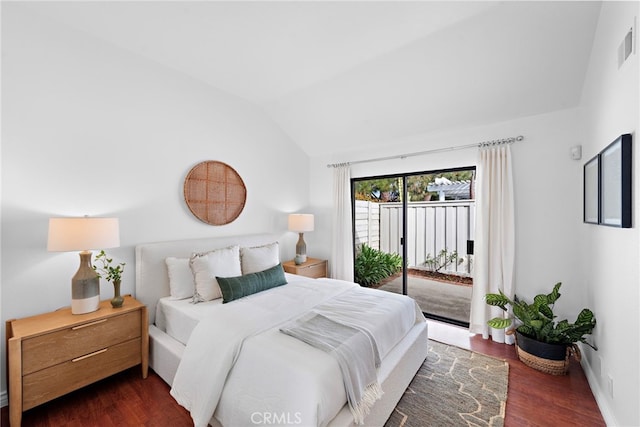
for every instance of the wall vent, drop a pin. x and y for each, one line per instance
(627, 47)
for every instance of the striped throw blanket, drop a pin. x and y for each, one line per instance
(355, 350)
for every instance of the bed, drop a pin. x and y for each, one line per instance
(173, 322)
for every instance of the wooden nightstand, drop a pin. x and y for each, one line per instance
(313, 268)
(52, 354)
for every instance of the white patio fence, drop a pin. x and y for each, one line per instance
(431, 227)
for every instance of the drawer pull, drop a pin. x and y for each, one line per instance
(86, 325)
(86, 356)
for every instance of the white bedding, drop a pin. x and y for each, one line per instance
(269, 377)
(178, 317)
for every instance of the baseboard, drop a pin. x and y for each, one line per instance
(4, 399)
(598, 392)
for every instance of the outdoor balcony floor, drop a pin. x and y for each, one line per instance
(448, 300)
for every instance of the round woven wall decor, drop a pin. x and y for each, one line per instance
(214, 192)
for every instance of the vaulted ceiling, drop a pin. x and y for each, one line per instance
(340, 76)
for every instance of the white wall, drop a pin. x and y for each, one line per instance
(611, 256)
(91, 129)
(598, 266)
(549, 228)
(547, 193)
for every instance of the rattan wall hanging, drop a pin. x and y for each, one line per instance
(214, 192)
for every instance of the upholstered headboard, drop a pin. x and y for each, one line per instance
(152, 279)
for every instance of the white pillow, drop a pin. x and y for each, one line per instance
(259, 258)
(206, 266)
(181, 284)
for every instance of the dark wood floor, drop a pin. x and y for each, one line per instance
(534, 398)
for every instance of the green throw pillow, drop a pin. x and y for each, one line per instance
(234, 288)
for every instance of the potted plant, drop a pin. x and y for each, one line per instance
(542, 342)
(111, 274)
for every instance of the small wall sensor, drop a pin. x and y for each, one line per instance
(576, 152)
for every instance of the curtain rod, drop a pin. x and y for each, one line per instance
(509, 140)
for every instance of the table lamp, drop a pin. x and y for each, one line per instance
(301, 223)
(82, 234)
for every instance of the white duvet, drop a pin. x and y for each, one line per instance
(240, 367)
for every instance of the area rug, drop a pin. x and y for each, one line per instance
(454, 387)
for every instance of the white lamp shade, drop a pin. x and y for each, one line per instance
(300, 222)
(81, 234)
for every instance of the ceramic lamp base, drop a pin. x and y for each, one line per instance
(301, 250)
(85, 305)
(85, 287)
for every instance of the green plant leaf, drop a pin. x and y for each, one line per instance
(442, 259)
(545, 331)
(563, 325)
(523, 312)
(555, 294)
(526, 330)
(586, 317)
(371, 265)
(546, 311)
(540, 300)
(498, 300)
(106, 270)
(538, 320)
(536, 324)
(499, 323)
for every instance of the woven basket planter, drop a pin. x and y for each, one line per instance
(548, 358)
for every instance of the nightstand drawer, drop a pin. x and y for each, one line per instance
(58, 380)
(313, 268)
(314, 271)
(54, 348)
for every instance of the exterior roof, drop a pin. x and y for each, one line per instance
(452, 190)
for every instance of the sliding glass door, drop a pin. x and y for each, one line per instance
(412, 234)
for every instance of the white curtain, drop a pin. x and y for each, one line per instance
(494, 238)
(342, 241)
